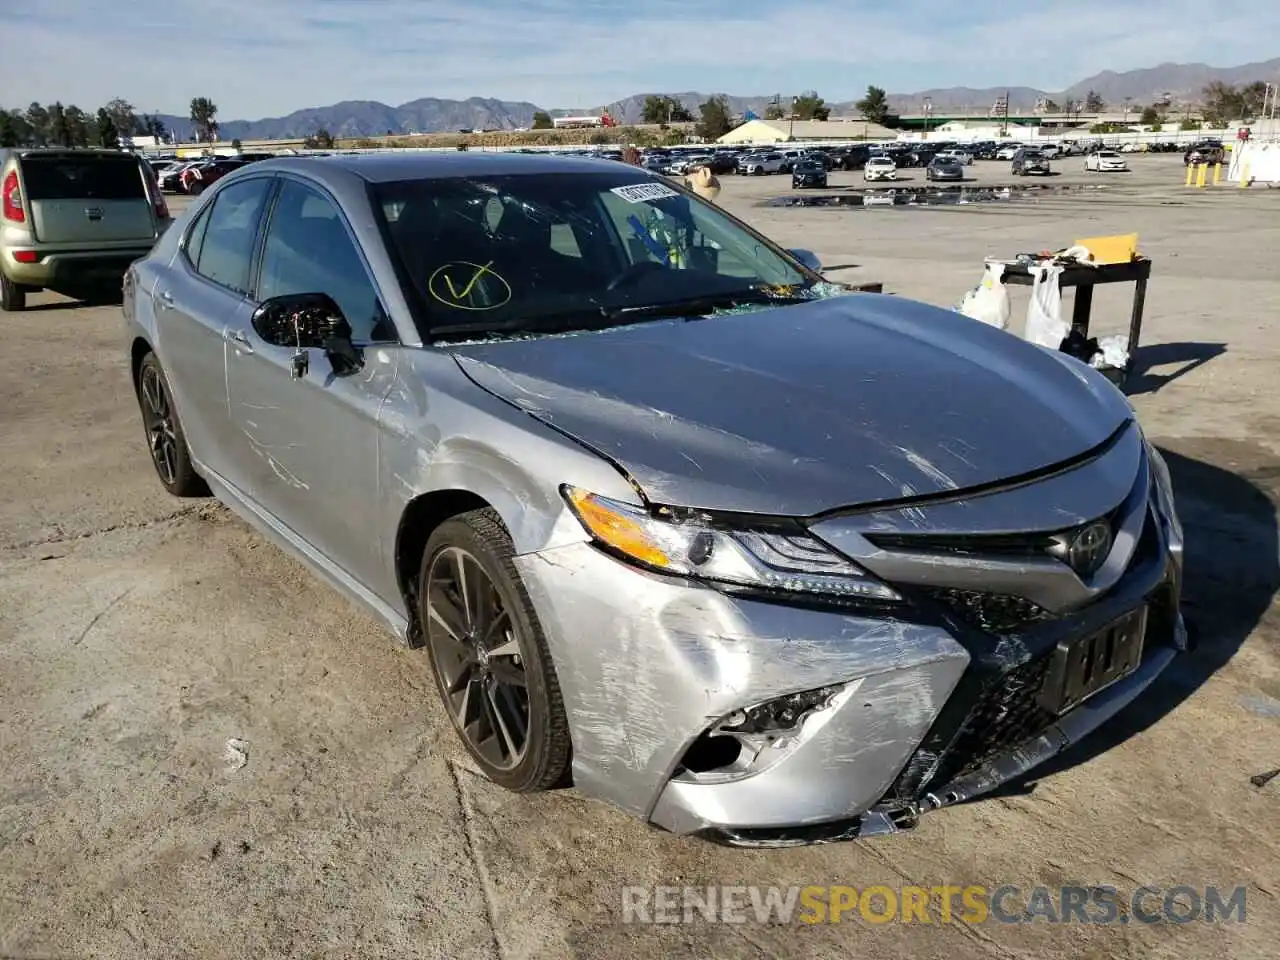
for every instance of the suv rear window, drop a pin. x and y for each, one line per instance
(88, 177)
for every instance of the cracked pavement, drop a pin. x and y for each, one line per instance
(138, 634)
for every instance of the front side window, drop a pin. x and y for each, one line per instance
(308, 250)
(507, 253)
(226, 254)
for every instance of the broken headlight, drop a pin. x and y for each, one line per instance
(787, 561)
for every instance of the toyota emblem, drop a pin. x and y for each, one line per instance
(1089, 548)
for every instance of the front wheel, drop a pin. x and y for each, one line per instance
(489, 655)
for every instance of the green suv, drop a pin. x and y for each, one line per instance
(73, 221)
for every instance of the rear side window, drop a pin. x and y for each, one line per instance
(87, 177)
(226, 253)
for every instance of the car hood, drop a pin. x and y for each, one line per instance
(800, 409)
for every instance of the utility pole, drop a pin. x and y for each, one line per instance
(791, 119)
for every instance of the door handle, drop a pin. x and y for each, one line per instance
(238, 339)
(166, 299)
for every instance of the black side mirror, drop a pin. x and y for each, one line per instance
(308, 321)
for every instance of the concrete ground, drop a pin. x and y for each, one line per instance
(138, 634)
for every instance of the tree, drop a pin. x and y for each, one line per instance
(810, 106)
(108, 135)
(122, 116)
(1150, 116)
(8, 132)
(1051, 105)
(774, 111)
(235, 144)
(1071, 106)
(542, 120)
(874, 106)
(204, 114)
(716, 119)
(38, 120)
(1253, 94)
(322, 139)
(78, 125)
(1223, 102)
(664, 109)
(1093, 102)
(59, 130)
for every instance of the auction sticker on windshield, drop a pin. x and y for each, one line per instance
(642, 192)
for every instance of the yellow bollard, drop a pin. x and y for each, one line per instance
(1202, 172)
(1244, 175)
(1217, 174)
(1191, 169)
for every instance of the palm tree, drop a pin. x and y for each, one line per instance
(203, 114)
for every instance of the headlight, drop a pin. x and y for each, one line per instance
(789, 561)
(1164, 491)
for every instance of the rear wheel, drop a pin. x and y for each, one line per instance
(489, 655)
(165, 439)
(13, 296)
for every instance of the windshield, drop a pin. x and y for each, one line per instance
(541, 252)
(82, 176)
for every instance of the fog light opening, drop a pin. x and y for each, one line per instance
(779, 715)
(710, 753)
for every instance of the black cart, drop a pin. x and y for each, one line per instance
(1083, 279)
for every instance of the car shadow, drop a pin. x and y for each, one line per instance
(1232, 575)
(1189, 355)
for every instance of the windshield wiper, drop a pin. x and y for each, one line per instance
(697, 306)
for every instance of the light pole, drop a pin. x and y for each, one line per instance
(928, 115)
(791, 119)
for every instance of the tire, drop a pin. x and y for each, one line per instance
(197, 188)
(480, 538)
(13, 296)
(165, 439)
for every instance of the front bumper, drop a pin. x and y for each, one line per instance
(923, 708)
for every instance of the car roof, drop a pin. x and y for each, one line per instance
(387, 168)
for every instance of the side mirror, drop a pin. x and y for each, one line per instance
(308, 321)
(808, 258)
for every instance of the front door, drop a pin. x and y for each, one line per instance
(311, 441)
(195, 303)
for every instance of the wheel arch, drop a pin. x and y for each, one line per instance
(137, 353)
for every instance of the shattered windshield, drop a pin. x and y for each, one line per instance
(525, 253)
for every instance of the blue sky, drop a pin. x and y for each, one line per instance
(260, 58)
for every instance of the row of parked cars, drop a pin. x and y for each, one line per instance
(195, 176)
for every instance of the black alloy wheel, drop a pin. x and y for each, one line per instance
(478, 658)
(490, 656)
(165, 439)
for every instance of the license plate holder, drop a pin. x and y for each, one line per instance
(1084, 666)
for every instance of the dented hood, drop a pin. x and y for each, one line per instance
(800, 409)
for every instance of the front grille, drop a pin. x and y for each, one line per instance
(991, 612)
(1005, 546)
(1005, 716)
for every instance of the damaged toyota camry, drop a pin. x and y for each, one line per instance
(672, 518)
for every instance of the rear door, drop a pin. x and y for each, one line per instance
(87, 197)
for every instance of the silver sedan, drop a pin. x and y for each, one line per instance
(673, 519)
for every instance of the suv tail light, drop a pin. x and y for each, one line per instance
(11, 199)
(157, 195)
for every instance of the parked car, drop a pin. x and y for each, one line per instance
(170, 178)
(73, 220)
(1105, 161)
(962, 157)
(195, 180)
(1050, 151)
(808, 172)
(880, 168)
(1008, 152)
(761, 163)
(943, 167)
(687, 163)
(1209, 151)
(1030, 161)
(721, 163)
(604, 588)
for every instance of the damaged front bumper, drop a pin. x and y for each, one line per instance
(758, 723)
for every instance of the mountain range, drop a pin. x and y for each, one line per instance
(1183, 82)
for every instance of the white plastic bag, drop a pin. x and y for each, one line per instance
(1113, 352)
(1045, 325)
(989, 300)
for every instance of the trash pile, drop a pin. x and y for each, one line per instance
(988, 302)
